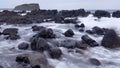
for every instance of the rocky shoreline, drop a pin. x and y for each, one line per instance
(45, 39)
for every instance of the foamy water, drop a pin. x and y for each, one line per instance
(108, 58)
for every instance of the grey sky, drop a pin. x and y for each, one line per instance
(65, 4)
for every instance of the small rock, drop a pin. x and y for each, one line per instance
(23, 59)
(69, 33)
(39, 44)
(89, 41)
(98, 30)
(10, 31)
(95, 61)
(23, 46)
(13, 37)
(55, 53)
(37, 28)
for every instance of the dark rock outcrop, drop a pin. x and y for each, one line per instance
(25, 7)
(116, 14)
(39, 16)
(69, 33)
(12, 33)
(101, 13)
(89, 41)
(23, 46)
(74, 13)
(98, 30)
(12, 37)
(19, 20)
(111, 39)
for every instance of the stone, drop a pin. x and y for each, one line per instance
(23, 46)
(10, 31)
(89, 41)
(19, 20)
(74, 13)
(25, 7)
(90, 32)
(37, 28)
(73, 21)
(116, 14)
(12, 37)
(68, 43)
(55, 53)
(111, 39)
(22, 59)
(46, 33)
(95, 61)
(69, 33)
(101, 13)
(39, 44)
(98, 30)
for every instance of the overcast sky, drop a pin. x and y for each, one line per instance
(65, 4)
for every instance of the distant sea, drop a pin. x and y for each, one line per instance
(92, 11)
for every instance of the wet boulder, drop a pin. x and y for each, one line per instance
(58, 18)
(90, 32)
(69, 33)
(22, 59)
(74, 13)
(10, 31)
(39, 44)
(111, 39)
(23, 46)
(55, 53)
(116, 14)
(46, 33)
(12, 37)
(68, 43)
(6, 15)
(95, 61)
(101, 13)
(98, 30)
(33, 60)
(38, 28)
(38, 16)
(73, 21)
(89, 41)
(18, 20)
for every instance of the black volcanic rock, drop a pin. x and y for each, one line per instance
(25, 7)
(39, 44)
(69, 33)
(10, 31)
(89, 41)
(116, 14)
(55, 53)
(23, 46)
(111, 39)
(74, 13)
(101, 13)
(95, 61)
(39, 16)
